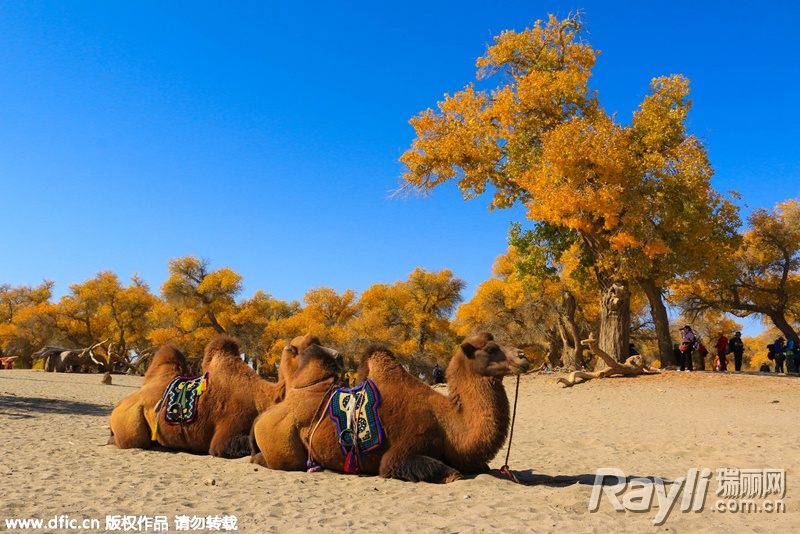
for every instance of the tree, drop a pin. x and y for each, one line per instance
(129, 324)
(79, 316)
(25, 319)
(412, 316)
(251, 324)
(531, 311)
(326, 314)
(197, 305)
(760, 278)
(540, 138)
(102, 308)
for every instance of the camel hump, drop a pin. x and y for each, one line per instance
(223, 345)
(372, 355)
(375, 351)
(168, 360)
(168, 354)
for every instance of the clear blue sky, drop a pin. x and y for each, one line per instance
(265, 136)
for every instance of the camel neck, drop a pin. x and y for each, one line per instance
(315, 382)
(481, 417)
(267, 394)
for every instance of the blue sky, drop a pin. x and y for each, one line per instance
(265, 136)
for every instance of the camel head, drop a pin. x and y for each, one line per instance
(167, 361)
(305, 359)
(484, 357)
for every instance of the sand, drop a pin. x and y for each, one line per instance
(56, 464)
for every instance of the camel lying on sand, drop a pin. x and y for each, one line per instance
(234, 395)
(428, 436)
(316, 374)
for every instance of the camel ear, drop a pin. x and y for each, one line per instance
(468, 349)
(292, 349)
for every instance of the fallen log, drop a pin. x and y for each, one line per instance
(633, 366)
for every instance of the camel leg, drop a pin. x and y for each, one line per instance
(417, 468)
(129, 428)
(258, 459)
(278, 441)
(230, 441)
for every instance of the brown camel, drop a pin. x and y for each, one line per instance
(428, 436)
(233, 397)
(315, 374)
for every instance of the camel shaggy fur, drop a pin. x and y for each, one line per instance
(428, 436)
(234, 396)
(316, 370)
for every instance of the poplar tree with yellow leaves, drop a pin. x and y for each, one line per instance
(549, 314)
(25, 319)
(326, 314)
(761, 278)
(101, 308)
(197, 305)
(412, 316)
(634, 196)
(252, 324)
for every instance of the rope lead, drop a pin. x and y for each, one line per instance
(505, 469)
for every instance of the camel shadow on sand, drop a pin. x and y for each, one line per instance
(29, 407)
(528, 478)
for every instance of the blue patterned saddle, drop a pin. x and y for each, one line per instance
(355, 412)
(179, 401)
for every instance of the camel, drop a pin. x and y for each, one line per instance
(428, 436)
(234, 395)
(315, 373)
(633, 366)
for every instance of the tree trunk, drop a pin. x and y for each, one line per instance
(552, 347)
(658, 312)
(615, 321)
(572, 354)
(780, 322)
(215, 324)
(422, 339)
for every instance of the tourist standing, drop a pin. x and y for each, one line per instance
(722, 349)
(780, 354)
(736, 346)
(792, 365)
(687, 347)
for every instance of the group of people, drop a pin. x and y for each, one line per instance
(784, 351)
(690, 344)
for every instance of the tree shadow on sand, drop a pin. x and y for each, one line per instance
(28, 407)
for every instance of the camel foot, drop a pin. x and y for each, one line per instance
(422, 469)
(237, 447)
(258, 459)
(452, 477)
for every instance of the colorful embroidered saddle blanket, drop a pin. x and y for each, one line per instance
(180, 400)
(355, 412)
